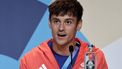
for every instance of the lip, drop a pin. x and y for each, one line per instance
(61, 36)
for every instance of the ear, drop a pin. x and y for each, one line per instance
(79, 25)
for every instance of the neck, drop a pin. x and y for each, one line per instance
(61, 49)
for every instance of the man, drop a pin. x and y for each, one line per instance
(64, 50)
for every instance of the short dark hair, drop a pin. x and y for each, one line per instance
(63, 7)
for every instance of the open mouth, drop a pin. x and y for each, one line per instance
(61, 35)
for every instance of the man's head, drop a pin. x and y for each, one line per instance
(64, 20)
(63, 7)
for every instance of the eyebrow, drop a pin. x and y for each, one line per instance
(59, 19)
(70, 19)
(54, 19)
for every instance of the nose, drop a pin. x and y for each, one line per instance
(61, 27)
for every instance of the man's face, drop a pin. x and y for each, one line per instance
(64, 29)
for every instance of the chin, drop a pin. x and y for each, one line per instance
(61, 43)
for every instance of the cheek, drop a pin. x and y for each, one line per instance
(72, 29)
(54, 30)
(71, 32)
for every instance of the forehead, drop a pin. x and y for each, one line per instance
(63, 17)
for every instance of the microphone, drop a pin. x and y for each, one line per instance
(71, 49)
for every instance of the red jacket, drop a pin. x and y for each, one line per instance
(41, 57)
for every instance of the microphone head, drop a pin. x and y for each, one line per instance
(71, 49)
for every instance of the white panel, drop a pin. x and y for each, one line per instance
(102, 21)
(113, 53)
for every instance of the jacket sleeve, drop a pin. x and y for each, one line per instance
(101, 62)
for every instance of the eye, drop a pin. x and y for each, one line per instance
(68, 22)
(55, 21)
